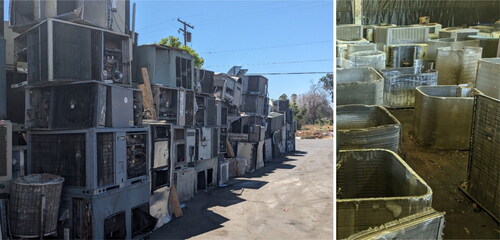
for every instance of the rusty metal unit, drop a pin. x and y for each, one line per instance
(83, 104)
(366, 127)
(92, 161)
(359, 86)
(374, 187)
(400, 84)
(122, 213)
(483, 178)
(443, 116)
(56, 50)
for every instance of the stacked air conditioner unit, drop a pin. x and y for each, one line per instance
(161, 172)
(56, 50)
(228, 88)
(111, 15)
(167, 66)
(82, 105)
(93, 161)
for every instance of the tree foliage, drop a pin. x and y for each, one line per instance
(326, 83)
(283, 97)
(172, 41)
(313, 106)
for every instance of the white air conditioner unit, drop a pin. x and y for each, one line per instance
(224, 172)
(5, 155)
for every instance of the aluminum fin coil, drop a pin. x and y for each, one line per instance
(366, 127)
(374, 187)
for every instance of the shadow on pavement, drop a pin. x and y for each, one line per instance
(198, 219)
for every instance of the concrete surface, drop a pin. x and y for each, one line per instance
(290, 198)
(443, 170)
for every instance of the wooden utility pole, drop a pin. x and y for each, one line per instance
(187, 35)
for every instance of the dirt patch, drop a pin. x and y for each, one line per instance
(315, 132)
(443, 170)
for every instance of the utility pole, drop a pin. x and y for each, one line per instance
(187, 35)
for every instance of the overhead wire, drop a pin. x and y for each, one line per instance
(261, 48)
(274, 63)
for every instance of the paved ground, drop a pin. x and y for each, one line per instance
(443, 171)
(290, 198)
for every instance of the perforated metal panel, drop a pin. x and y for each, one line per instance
(484, 168)
(190, 108)
(60, 154)
(211, 112)
(215, 142)
(72, 52)
(223, 140)
(105, 159)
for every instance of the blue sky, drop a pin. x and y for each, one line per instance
(262, 36)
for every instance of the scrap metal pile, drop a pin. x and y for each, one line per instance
(451, 77)
(132, 130)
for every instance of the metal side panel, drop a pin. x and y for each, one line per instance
(483, 174)
(260, 155)
(268, 155)
(442, 118)
(457, 66)
(246, 151)
(349, 32)
(425, 225)
(185, 184)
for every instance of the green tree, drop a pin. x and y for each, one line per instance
(326, 83)
(283, 97)
(172, 41)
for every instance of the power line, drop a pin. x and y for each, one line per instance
(273, 63)
(260, 48)
(288, 73)
(262, 13)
